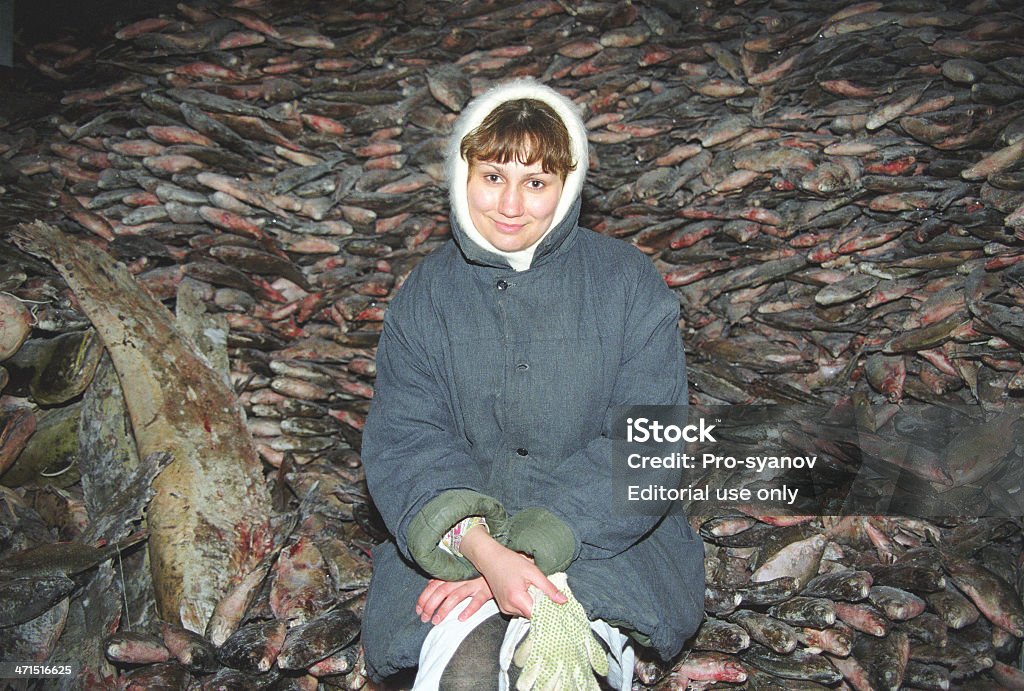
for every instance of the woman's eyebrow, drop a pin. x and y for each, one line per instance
(502, 168)
(488, 167)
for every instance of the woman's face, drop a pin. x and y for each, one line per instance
(511, 204)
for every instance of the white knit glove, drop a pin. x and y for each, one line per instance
(560, 652)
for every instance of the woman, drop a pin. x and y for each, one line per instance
(488, 447)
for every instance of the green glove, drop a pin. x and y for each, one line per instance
(560, 652)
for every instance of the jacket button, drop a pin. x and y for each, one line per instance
(522, 366)
(522, 452)
(501, 285)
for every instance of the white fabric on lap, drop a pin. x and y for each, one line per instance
(443, 640)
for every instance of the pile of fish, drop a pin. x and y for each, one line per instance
(862, 602)
(834, 190)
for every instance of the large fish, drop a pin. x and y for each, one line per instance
(208, 519)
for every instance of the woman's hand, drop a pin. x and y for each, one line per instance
(508, 574)
(440, 597)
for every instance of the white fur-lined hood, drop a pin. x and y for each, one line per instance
(457, 169)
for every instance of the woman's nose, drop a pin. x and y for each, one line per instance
(511, 202)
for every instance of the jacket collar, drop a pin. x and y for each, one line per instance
(482, 253)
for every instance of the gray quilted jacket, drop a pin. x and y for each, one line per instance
(494, 397)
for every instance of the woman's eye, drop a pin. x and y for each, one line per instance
(491, 177)
(535, 184)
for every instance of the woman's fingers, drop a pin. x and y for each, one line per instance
(439, 598)
(519, 603)
(475, 603)
(549, 589)
(431, 586)
(446, 606)
(425, 597)
(481, 593)
(466, 590)
(433, 596)
(452, 597)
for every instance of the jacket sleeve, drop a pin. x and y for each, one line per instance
(420, 475)
(566, 521)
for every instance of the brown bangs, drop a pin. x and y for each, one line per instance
(525, 130)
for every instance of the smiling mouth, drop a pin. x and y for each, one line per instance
(507, 227)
